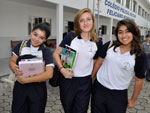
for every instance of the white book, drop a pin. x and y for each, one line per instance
(31, 67)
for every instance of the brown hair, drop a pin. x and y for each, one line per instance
(77, 29)
(136, 47)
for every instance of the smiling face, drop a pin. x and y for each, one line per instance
(86, 22)
(128, 35)
(38, 37)
(124, 35)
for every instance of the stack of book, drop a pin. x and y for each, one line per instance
(31, 67)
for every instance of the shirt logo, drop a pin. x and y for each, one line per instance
(126, 66)
(91, 48)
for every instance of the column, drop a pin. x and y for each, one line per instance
(98, 5)
(110, 28)
(124, 4)
(90, 4)
(59, 23)
(94, 7)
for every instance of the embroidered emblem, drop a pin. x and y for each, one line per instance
(126, 65)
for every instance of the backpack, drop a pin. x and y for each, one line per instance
(26, 56)
(12, 77)
(23, 44)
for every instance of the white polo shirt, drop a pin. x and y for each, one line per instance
(118, 69)
(86, 51)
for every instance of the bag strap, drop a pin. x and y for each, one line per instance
(23, 44)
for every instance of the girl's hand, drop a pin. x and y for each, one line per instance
(131, 103)
(68, 73)
(93, 79)
(19, 75)
(21, 79)
(17, 71)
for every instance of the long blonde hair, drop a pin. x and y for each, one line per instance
(77, 30)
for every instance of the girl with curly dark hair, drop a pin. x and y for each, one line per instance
(117, 64)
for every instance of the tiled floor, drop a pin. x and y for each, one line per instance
(53, 101)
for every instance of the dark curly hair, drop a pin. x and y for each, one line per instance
(136, 46)
(43, 27)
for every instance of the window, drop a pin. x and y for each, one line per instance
(143, 12)
(104, 29)
(113, 30)
(139, 10)
(70, 26)
(128, 4)
(134, 6)
(148, 17)
(36, 20)
(119, 1)
(145, 15)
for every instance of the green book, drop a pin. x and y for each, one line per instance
(68, 57)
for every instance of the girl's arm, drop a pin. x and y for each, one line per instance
(12, 64)
(96, 67)
(136, 92)
(68, 73)
(47, 74)
(56, 57)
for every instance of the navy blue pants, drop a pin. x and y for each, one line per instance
(108, 101)
(75, 94)
(29, 98)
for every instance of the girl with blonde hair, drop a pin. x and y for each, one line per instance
(75, 84)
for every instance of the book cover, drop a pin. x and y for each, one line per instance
(68, 57)
(31, 67)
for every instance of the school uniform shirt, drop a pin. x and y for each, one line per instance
(86, 52)
(118, 69)
(42, 52)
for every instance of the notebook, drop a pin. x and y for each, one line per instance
(31, 67)
(68, 57)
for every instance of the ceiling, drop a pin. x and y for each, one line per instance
(40, 3)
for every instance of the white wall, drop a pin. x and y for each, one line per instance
(14, 22)
(104, 6)
(14, 19)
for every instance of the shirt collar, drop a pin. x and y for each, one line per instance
(79, 37)
(42, 46)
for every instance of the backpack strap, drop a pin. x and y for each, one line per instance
(23, 44)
